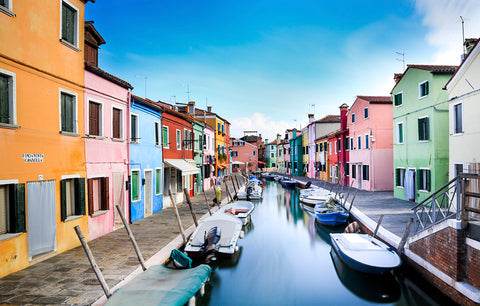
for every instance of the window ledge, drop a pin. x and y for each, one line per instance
(422, 97)
(118, 139)
(424, 191)
(69, 134)
(400, 187)
(71, 218)
(423, 141)
(95, 137)
(8, 236)
(134, 142)
(9, 126)
(70, 45)
(400, 105)
(7, 11)
(98, 213)
(458, 134)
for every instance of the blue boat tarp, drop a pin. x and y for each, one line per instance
(160, 285)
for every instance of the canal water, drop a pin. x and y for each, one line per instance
(285, 258)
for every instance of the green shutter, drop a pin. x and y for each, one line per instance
(428, 180)
(17, 208)
(157, 181)
(80, 196)
(418, 177)
(397, 177)
(63, 200)
(134, 185)
(427, 129)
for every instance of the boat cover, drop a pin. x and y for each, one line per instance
(160, 285)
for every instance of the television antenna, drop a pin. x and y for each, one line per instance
(462, 20)
(401, 59)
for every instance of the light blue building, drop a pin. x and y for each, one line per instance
(146, 167)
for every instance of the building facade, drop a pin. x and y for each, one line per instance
(244, 156)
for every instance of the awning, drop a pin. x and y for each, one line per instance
(183, 166)
(261, 162)
(238, 163)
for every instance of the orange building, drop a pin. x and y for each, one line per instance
(42, 153)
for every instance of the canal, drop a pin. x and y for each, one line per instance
(285, 258)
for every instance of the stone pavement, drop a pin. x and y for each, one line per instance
(68, 278)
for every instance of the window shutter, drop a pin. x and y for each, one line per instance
(63, 200)
(105, 193)
(420, 129)
(80, 196)
(116, 123)
(397, 176)
(427, 129)
(428, 180)
(418, 177)
(91, 210)
(18, 210)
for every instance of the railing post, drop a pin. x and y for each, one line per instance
(459, 193)
(434, 209)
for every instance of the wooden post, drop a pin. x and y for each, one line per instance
(333, 185)
(401, 246)
(228, 193)
(179, 221)
(132, 238)
(93, 263)
(206, 200)
(351, 204)
(238, 184)
(235, 189)
(378, 225)
(187, 196)
(348, 194)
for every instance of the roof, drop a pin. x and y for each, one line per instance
(465, 59)
(272, 143)
(146, 102)
(175, 113)
(95, 35)
(108, 76)
(249, 138)
(331, 134)
(377, 99)
(435, 69)
(200, 113)
(328, 119)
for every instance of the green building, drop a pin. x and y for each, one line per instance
(420, 125)
(198, 155)
(296, 154)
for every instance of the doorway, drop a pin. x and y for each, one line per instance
(148, 192)
(118, 197)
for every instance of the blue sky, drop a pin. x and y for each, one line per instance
(264, 65)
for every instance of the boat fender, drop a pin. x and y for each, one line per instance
(352, 227)
(308, 184)
(241, 235)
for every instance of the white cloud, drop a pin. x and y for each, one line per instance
(442, 18)
(261, 123)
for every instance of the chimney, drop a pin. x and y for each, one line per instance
(311, 118)
(209, 109)
(191, 108)
(343, 117)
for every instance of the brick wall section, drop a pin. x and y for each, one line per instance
(444, 250)
(473, 267)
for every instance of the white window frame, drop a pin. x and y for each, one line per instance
(403, 181)
(368, 114)
(367, 141)
(416, 178)
(329, 148)
(139, 187)
(76, 45)
(12, 98)
(351, 143)
(454, 119)
(8, 10)
(122, 120)
(353, 117)
(336, 151)
(420, 89)
(168, 137)
(398, 132)
(137, 137)
(75, 123)
(178, 139)
(157, 129)
(359, 142)
(398, 93)
(424, 140)
(101, 117)
(161, 180)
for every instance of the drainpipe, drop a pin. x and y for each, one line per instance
(129, 100)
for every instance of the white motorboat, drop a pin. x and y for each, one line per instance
(252, 190)
(365, 253)
(314, 196)
(225, 229)
(241, 209)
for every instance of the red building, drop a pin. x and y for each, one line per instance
(338, 151)
(244, 156)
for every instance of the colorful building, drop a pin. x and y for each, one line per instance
(271, 154)
(106, 140)
(316, 130)
(280, 154)
(371, 143)
(208, 156)
(420, 123)
(296, 156)
(334, 174)
(321, 158)
(42, 182)
(305, 150)
(244, 156)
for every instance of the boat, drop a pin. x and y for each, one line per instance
(365, 253)
(277, 178)
(303, 185)
(314, 196)
(268, 176)
(226, 227)
(286, 183)
(252, 190)
(241, 209)
(331, 213)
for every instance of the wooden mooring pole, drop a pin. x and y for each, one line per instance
(353, 200)
(228, 193)
(93, 263)
(402, 243)
(187, 197)
(378, 225)
(348, 194)
(132, 238)
(206, 200)
(179, 221)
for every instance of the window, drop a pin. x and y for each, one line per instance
(254, 152)
(166, 143)
(135, 185)
(365, 113)
(336, 147)
(339, 145)
(359, 142)
(157, 133)
(423, 89)
(365, 172)
(330, 150)
(321, 147)
(158, 181)
(272, 154)
(134, 128)
(117, 123)
(423, 179)
(398, 99)
(457, 119)
(72, 197)
(345, 144)
(400, 132)
(179, 181)
(351, 143)
(8, 97)
(457, 168)
(219, 128)
(69, 22)
(400, 177)
(94, 119)
(68, 112)
(190, 140)
(347, 168)
(367, 143)
(98, 195)
(423, 128)
(12, 208)
(179, 140)
(354, 171)
(325, 146)
(353, 118)
(6, 4)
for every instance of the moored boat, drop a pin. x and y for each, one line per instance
(241, 209)
(314, 196)
(331, 213)
(286, 183)
(252, 190)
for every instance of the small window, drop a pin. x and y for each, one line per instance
(254, 152)
(423, 129)
(272, 154)
(165, 136)
(179, 140)
(367, 142)
(398, 99)
(330, 150)
(359, 142)
(423, 89)
(339, 145)
(347, 168)
(117, 123)
(158, 181)
(365, 172)
(68, 112)
(400, 133)
(94, 118)
(157, 133)
(7, 97)
(321, 147)
(135, 185)
(457, 119)
(351, 143)
(336, 147)
(190, 140)
(354, 171)
(423, 179)
(69, 21)
(12, 208)
(365, 113)
(400, 177)
(72, 197)
(353, 118)
(98, 195)
(346, 144)
(134, 137)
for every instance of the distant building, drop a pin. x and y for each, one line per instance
(244, 156)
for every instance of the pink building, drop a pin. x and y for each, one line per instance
(370, 124)
(106, 144)
(208, 156)
(244, 156)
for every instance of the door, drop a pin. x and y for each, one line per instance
(118, 197)
(148, 192)
(42, 228)
(410, 184)
(359, 176)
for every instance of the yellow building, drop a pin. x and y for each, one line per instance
(42, 181)
(323, 172)
(305, 151)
